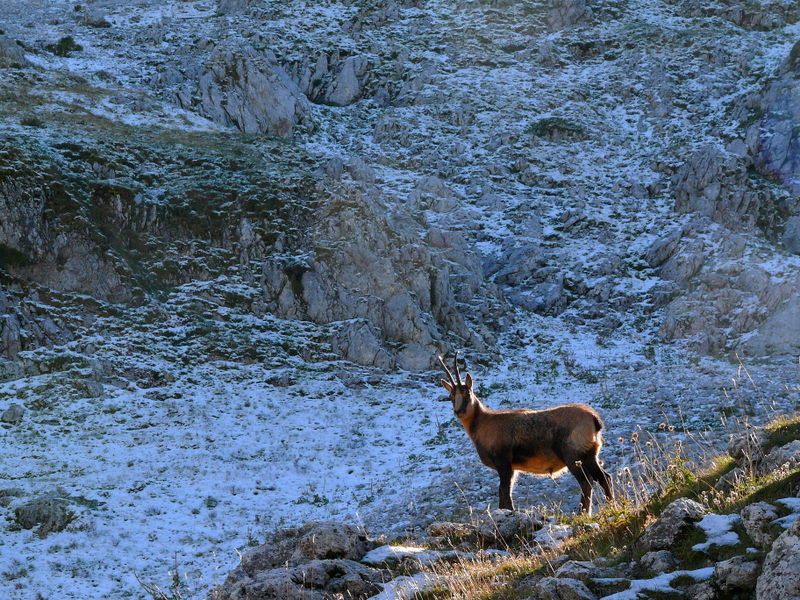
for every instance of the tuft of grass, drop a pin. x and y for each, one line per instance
(64, 47)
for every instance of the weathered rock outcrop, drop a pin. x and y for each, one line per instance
(780, 577)
(774, 139)
(675, 520)
(313, 562)
(246, 89)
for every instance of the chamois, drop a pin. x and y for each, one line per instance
(541, 442)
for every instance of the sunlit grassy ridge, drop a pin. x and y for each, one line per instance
(612, 532)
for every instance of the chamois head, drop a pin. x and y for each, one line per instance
(461, 394)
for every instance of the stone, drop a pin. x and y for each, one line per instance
(675, 520)
(658, 561)
(504, 525)
(577, 569)
(356, 341)
(565, 13)
(774, 139)
(49, 511)
(13, 414)
(557, 588)
(736, 573)
(756, 518)
(746, 447)
(786, 455)
(11, 53)
(791, 234)
(249, 90)
(313, 580)
(331, 540)
(780, 574)
(345, 87)
(94, 17)
(778, 334)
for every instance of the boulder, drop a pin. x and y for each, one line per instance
(13, 414)
(345, 87)
(314, 562)
(736, 573)
(658, 561)
(505, 525)
(565, 13)
(49, 511)
(562, 588)
(780, 574)
(676, 519)
(756, 518)
(786, 455)
(314, 580)
(791, 234)
(774, 139)
(11, 53)
(249, 90)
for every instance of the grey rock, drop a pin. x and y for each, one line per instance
(356, 341)
(94, 17)
(331, 540)
(756, 519)
(791, 234)
(659, 561)
(774, 140)
(786, 456)
(47, 512)
(736, 573)
(505, 525)
(313, 580)
(249, 90)
(746, 448)
(578, 569)
(715, 184)
(780, 575)
(556, 588)
(675, 520)
(13, 414)
(565, 13)
(778, 334)
(345, 87)
(11, 54)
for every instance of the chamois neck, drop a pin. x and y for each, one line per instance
(472, 414)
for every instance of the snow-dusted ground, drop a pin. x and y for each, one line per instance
(177, 476)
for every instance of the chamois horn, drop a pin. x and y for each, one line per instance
(458, 373)
(446, 370)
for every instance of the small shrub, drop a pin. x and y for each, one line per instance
(64, 47)
(31, 121)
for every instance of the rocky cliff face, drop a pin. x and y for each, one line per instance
(434, 201)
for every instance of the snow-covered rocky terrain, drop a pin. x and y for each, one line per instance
(234, 236)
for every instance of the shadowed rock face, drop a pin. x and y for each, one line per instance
(774, 140)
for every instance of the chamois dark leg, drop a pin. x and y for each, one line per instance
(586, 485)
(506, 474)
(596, 472)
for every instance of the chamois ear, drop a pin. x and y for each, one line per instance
(447, 386)
(468, 381)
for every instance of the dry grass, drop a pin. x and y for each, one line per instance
(665, 473)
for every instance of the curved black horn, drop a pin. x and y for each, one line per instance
(446, 370)
(458, 373)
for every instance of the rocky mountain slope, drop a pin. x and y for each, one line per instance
(234, 235)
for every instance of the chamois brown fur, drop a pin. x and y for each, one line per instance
(541, 442)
